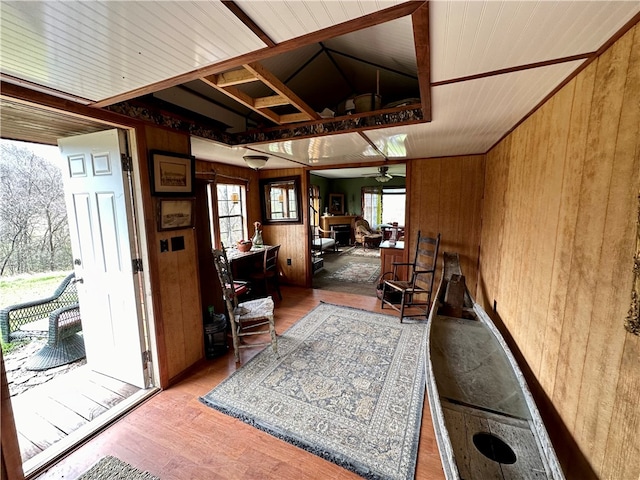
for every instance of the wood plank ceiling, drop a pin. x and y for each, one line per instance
(463, 72)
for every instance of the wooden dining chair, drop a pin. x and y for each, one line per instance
(414, 293)
(253, 317)
(268, 273)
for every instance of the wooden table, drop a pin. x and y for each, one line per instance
(392, 253)
(244, 263)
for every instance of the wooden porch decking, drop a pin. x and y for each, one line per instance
(49, 413)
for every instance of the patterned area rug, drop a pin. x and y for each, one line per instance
(357, 272)
(112, 468)
(360, 252)
(348, 386)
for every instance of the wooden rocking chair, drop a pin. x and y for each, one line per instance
(415, 293)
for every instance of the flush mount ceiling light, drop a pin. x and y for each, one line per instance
(383, 176)
(256, 161)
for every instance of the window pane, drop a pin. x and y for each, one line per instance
(231, 213)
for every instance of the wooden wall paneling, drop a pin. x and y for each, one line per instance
(506, 304)
(617, 142)
(293, 238)
(446, 197)
(588, 245)
(470, 219)
(585, 175)
(492, 223)
(181, 304)
(171, 317)
(450, 182)
(528, 202)
(560, 237)
(622, 452)
(425, 204)
(543, 217)
(576, 151)
(172, 272)
(190, 298)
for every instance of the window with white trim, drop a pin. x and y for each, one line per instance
(231, 224)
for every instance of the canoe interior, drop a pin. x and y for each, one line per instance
(484, 422)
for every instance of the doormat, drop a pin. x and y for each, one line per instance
(348, 386)
(112, 468)
(357, 272)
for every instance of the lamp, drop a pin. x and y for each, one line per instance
(235, 198)
(383, 176)
(256, 161)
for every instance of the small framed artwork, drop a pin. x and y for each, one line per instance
(172, 174)
(175, 213)
(336, 203)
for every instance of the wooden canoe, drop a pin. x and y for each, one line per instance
(486, 422)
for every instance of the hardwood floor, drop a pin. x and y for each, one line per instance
(174, 436)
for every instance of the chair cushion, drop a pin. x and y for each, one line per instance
(240, 288)
(323, 243)
(255, 309)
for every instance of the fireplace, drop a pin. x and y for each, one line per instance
(343, 233)
(343, 225)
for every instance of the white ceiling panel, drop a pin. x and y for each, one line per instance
(96, 50)
(470, 37)
(470, 117)
(343, 149)
(284, 20)
(212, 151)
(328, 150)
(99, 49)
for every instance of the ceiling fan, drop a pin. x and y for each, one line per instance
(382, 175)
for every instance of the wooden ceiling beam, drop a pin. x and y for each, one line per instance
(420, 21)
(235, 77)
(271, 101)
(294, 117)
(225, 82)
(242, 98)
(280, 88)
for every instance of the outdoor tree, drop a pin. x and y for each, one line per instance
(34, 234)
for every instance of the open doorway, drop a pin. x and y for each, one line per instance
(366, 193)
(69, 401)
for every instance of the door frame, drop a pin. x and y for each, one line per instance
(9, 438)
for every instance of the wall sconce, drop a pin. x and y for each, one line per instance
(256, 161)
(280, 198)
(235, 198)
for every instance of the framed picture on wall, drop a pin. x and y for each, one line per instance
(336, 203)
(172, 174)
(175, 213)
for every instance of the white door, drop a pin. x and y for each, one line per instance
(100, 221)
